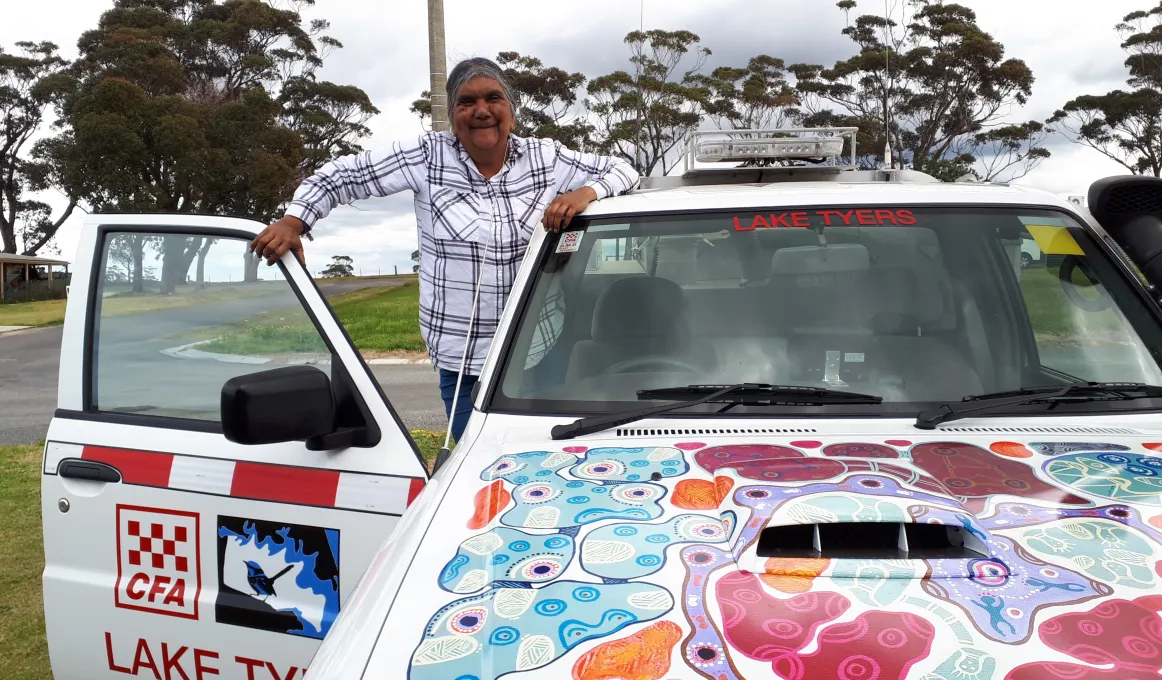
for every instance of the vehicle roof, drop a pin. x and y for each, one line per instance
(752, 195)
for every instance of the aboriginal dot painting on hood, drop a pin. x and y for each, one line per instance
(797, 560)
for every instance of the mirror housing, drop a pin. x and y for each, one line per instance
(293, 403)
(1130, 209)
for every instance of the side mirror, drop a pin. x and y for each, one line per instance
(1130, 209)
(288, 404)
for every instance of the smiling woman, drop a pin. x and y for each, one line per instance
(480, 193)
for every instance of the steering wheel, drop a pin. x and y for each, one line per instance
(659, 362)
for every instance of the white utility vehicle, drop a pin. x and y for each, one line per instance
(786, 419)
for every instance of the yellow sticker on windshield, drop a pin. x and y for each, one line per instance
(1054, 240)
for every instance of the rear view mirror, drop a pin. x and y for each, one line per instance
(839, 258)
(294, 403)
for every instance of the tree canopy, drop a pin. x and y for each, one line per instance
(1125, 125)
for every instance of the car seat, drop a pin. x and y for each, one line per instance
(636, 318)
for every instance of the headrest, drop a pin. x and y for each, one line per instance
(901, 299)
(638, 308)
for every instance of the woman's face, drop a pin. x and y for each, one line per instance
(481, 114)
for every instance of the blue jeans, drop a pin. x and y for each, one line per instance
(463, 404)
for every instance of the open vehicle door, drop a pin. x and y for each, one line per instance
(193, 531)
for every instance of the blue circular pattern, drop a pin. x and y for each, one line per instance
(579, 500)
(544, 473)
(1141, 471)
(505, 635)
(520, 479)
(500, 559)
(649, 560)
(555, 542)
(1112, 458)
(599, 489)
(518, 546)
(550, 607)
(586, 594)
(1151, 462)
(633, 478)
(468, 677)
(640, 463)
(657, 538)
(669, 472)
(625, 531)
(575, 485)
(674, 463)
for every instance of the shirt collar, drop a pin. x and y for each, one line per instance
(516, 149)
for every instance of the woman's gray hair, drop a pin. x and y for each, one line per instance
(475, 68)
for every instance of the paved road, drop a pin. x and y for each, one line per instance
(29, 363)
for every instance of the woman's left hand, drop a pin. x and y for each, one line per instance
(561, 211)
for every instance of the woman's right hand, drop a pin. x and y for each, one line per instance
(278, 238)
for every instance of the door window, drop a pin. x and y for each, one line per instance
(177, 316)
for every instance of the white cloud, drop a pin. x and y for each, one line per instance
(1070, 45)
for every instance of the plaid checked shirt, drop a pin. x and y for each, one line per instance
(465, 222)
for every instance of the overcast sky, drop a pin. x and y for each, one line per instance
(1069, 44)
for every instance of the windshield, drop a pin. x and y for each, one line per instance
(915, 305)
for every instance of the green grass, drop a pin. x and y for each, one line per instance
(52, 312)
(45, 313)
(378, 319)
(23, 648)
(1055, 318)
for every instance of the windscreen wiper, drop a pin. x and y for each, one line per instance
(693, 395)
(1054, 394)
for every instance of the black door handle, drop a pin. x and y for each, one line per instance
(74, 468)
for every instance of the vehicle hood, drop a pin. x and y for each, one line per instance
(601, 560)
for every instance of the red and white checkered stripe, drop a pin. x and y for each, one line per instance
(383, 494)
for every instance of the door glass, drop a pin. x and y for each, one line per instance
(178, 316)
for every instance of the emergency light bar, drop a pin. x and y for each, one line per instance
(739, 146)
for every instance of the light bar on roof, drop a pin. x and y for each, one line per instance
(737, 150)
(821, 147)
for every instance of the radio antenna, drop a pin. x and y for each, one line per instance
(887, 80)
(446, 451)
(637, 153)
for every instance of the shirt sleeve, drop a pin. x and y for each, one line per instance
(606, 175)
(376, 172)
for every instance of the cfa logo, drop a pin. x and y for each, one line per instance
(158, 564)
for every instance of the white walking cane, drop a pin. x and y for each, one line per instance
(445, 451)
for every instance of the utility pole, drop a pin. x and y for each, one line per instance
(437, 61)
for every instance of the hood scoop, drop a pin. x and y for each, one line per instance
(869, 540)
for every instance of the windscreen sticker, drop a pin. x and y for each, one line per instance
(277, 576)
(1053, 240)
(570, 242)
(804, 219)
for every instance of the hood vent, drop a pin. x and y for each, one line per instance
(870, 540)
(672, 432)
(1042, 430)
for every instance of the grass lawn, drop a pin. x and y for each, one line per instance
(52, 312)
(1056, 320)
(23, 649)
(378, 319)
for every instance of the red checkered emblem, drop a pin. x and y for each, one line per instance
(158, 565)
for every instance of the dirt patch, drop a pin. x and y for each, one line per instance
(369, 354)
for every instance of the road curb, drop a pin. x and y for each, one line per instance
(188, 352)
(399, 362)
